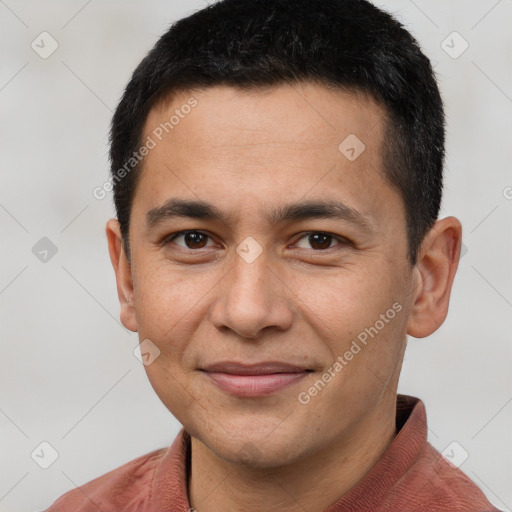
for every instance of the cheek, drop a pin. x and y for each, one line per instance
(172, 388)
(345, 300)
(161, 301)
(359, 316)
(166, 305)
(170, 306)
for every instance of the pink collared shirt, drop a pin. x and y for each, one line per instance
(411, 476)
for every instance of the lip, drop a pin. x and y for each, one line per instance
(256, 379)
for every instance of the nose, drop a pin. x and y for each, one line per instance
(252, 298)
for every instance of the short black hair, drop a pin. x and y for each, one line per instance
(344, 44)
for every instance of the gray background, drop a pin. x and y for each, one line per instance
(68, 375)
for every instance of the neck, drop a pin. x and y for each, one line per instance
(313, 483)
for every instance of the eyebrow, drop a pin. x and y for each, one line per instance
(196, 209)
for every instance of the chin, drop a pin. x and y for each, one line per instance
(252, 447)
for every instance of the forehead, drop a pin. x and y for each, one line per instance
(266, 145)
(312, 113)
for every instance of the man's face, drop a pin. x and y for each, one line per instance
(256, 285)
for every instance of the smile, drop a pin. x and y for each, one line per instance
(254, 385)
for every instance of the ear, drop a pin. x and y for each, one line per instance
(122, 269)
(434, 272)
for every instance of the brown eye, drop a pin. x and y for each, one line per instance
(192, 239)
(318, 241)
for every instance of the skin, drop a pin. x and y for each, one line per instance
(248, 152)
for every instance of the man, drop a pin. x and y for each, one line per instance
(277, 172)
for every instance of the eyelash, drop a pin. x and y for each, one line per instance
(342, 241)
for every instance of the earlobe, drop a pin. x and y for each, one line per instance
(123, 272)
(434, 273)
